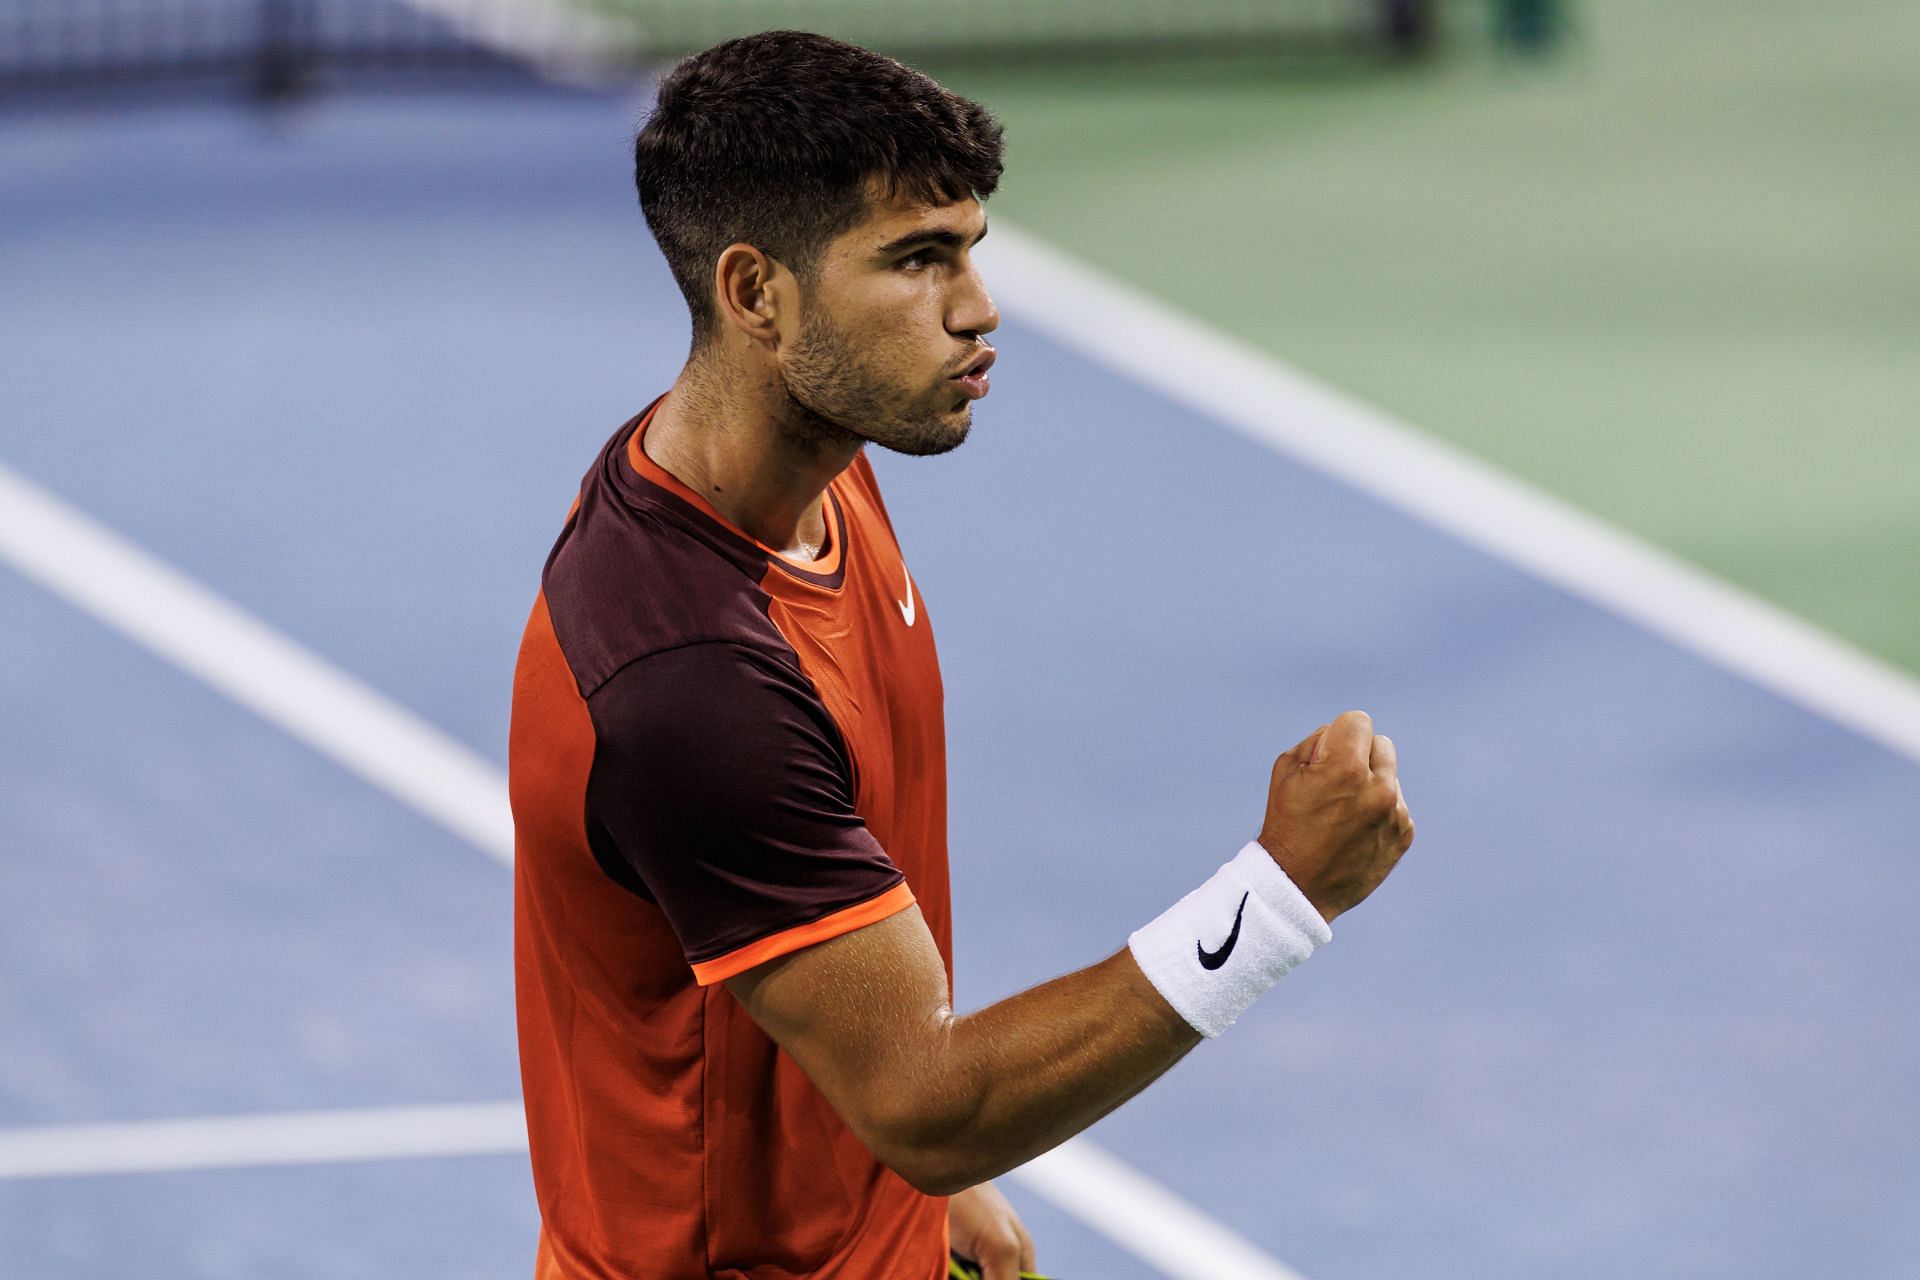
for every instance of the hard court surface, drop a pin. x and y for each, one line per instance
(1638, 1003)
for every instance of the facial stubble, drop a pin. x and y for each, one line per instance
(835, 396)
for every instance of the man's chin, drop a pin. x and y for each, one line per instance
(930, 436)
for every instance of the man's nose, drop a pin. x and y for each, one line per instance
(973, 310)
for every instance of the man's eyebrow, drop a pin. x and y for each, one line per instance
(940, 236)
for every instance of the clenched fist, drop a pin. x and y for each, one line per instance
(1336, 820)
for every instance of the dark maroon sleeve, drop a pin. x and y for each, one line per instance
(721, 790)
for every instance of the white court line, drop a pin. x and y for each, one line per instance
(138, 594)
(565, 41)
(1143, 340)
(288, 1137)
(90, 566)
(1142, 1217)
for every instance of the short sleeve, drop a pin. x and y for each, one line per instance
(721, 790)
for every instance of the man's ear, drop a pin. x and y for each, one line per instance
(753, 293)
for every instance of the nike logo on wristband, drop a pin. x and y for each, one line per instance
(1214, 959)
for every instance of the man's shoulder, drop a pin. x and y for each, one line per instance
(630, 577)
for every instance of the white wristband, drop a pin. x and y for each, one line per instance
(1218, 949)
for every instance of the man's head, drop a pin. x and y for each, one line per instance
(817, 203)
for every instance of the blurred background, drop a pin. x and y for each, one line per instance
(1542, 376)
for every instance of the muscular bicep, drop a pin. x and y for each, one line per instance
(863, 1015)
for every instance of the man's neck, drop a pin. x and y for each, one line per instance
(722, 433)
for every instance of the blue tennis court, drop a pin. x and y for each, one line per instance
(1636, 1004)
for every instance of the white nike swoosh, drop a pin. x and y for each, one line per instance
(906, 606)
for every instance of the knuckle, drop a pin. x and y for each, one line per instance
(1001, 1246)
(1348, 773)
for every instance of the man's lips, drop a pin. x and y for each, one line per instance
(972, 378)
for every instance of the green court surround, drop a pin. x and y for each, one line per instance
(1673, 275)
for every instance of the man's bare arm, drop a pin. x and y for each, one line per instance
(949, 1101)
(946, 1101)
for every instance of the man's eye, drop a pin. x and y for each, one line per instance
(914, 261)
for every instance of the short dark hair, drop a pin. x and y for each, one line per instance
(776, 140)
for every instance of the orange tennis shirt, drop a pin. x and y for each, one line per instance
(718, 756)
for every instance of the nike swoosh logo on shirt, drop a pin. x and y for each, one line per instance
(1214, 959)
(906, 606)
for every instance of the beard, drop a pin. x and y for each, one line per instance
(835, 396)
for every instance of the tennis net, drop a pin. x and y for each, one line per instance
(277, 45)
(1043, 28)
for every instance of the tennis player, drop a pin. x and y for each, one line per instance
(733, 943)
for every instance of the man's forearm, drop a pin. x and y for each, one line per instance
(995, 1088)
